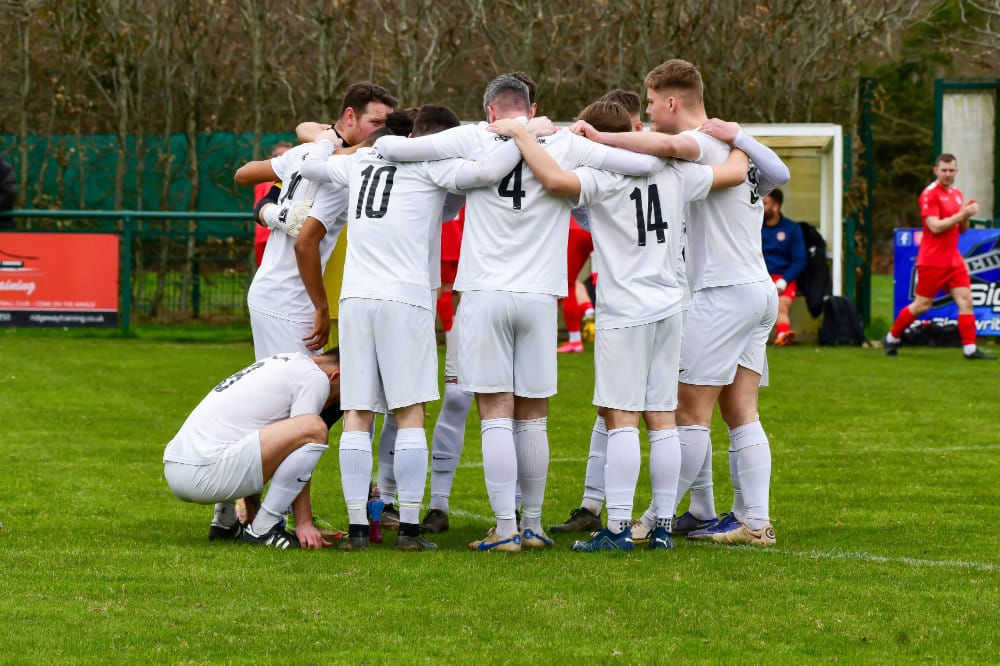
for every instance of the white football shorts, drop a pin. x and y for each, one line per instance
(234, 473)
(274, 335)
(507, 343)
(727, 327)
(388, 355)
(635, 368)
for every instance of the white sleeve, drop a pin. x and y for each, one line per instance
(314, 167)
(593, 154)
(309, 392)
(500, 161)
(280, 166)
(697, 179)
(449, 143)
(593, 185)
(771, 171)
(337, 169)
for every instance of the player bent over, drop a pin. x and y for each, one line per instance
(636, 225)
(260, 425)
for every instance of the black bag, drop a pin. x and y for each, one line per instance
(842, 324)
(814, 281)
(932, 334)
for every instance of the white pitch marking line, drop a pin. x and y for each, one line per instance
(556, 461)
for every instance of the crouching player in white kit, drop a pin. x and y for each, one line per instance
(636, 224)
(387, 308)
(261, 424)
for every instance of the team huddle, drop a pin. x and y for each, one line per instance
(684, 307)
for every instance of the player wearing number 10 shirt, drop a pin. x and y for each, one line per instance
(387, 337)
(511, 273)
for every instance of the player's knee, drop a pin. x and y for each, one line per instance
(314, 428)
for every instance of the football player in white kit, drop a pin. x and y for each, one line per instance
(733, 307)
(511, 273)
(636, 224)
(261, 424)
(387, 310)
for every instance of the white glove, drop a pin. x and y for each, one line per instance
(780, 284)
(288, 217)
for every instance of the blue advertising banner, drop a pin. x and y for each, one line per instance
(981, 250)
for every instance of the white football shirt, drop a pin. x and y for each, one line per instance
(723, 244)
(394, 220)
(277, 287)
(638, 226)
(270, 390)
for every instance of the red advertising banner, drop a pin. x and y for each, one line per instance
(65, 279)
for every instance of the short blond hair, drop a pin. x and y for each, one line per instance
(677, 75)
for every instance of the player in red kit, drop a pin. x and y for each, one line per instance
(940, 266)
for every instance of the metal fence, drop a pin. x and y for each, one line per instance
(174, 266)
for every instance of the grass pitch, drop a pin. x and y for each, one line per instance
(884, 500)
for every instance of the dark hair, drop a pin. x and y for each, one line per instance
(630, 100)
(360, 95)
(526, 80)
(370, 140)
(332, 354)
(432, 119)
(945, 157)
(400, 123)
(507, 93)
(607, 116)
(777, 195)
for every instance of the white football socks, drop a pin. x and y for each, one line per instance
(356, 473)
(500, 471)
(290, 477)
(593, 484)
(664, 470)
(621, 474)
(410, 467)
(225, 514)
(446, 446)
(386, 445)
(702, 489)
(752, 452)
(695, 443)
(531, 444)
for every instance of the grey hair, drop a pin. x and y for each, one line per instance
(503, 84)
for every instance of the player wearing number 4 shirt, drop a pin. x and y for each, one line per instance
(387, 307)
(511, 273)
(636, 225)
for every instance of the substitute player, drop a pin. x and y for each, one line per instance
(260, 425)
(636, 224)
(386, 304)
(940, 266)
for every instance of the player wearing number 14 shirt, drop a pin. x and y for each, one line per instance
(511, 273)
(387, 309)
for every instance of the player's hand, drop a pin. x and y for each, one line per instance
(320, 333)
(291, 219)
(310, 538)
(330, 135)
(970, 208)
(721, 130)
(542, 126)
(505, 126)
(583, 128)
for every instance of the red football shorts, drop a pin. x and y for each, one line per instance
(933, 279)
(791, 289)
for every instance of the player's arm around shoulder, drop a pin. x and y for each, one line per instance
(732, 172)
(553, 177)
(254, 172)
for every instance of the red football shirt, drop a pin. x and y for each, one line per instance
(940, 249)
